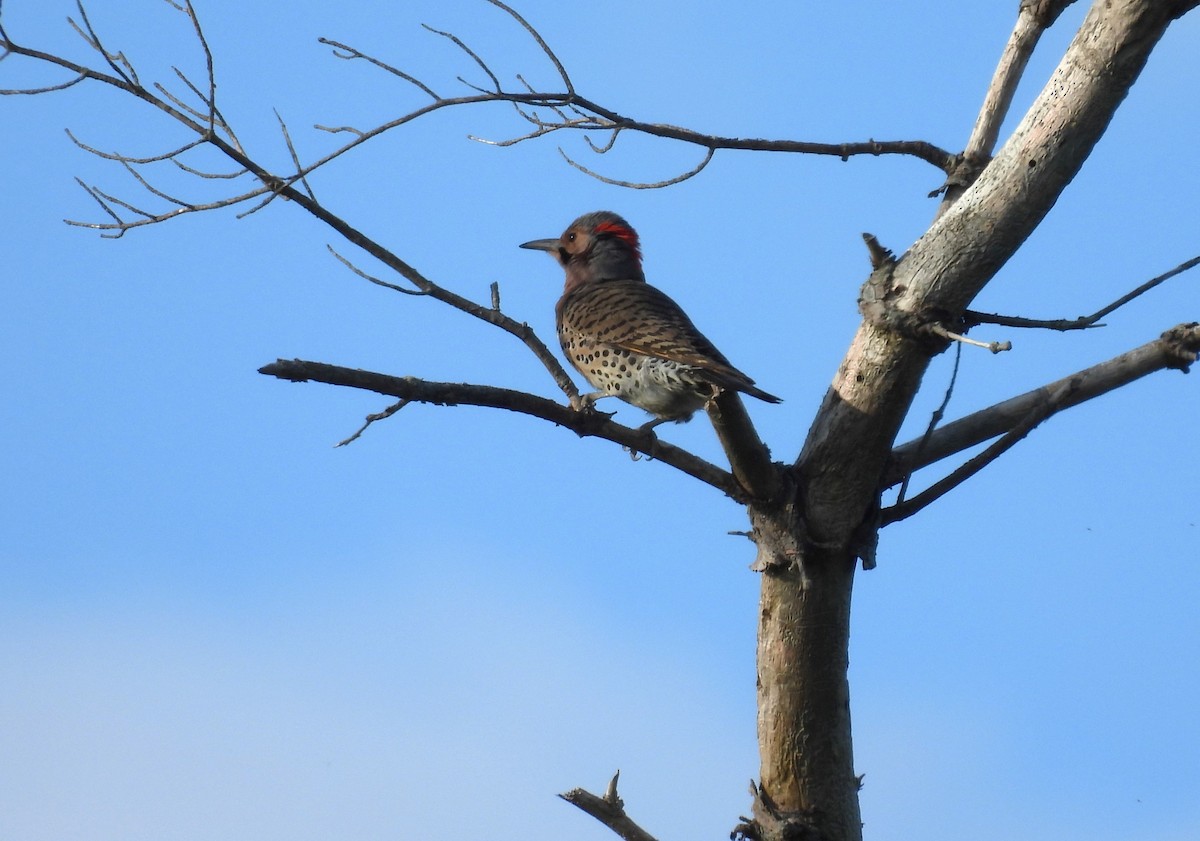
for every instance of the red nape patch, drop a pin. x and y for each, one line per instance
(624, 232)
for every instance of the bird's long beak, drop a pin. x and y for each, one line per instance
(550, 245)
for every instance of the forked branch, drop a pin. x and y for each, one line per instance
(609, 809)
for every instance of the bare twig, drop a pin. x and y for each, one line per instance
(47, 89)
(130, 159)
(377, 281)
(941, 331)
(154, 191)
(372, 418)
(1084, 321)
(287, 138)
(938, 415)
(202, 116)
(211, 99)
(537, 37)
(571, 110)
(116, 62)
(200, 173)
(118, 227)
(349, 53)
(609, 810)
(640, 185)
(458, 42)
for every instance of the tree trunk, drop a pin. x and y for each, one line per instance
(808, 788)
(809, 542)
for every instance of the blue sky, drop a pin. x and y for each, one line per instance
(213, 624)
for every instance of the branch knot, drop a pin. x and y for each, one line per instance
(770, 823)
(1181, 345)
(877, 303)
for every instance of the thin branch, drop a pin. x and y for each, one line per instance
(917, 148)
(47, 89)
(109, 201)
(1050, 405)
(941, 331)
(536, 36)
(372, 418)
(641, 185)
(350, 54)
(130, 159)
(203, 116)
(119, 226)
(607, 147)
(591, 116)
(199, 173)
(585, 423)
(380, 282)
(287, 138)
(542, 130)
(1027, 31)
(1084, 322)
(936, 418)
(609, 810)
(1033, 18)
(1175, 349)
(458, 42)
(93, 40)
(211, 99)
(103, 206)
(274, 188)
(150, 188)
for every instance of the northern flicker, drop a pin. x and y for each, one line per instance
(628, 339)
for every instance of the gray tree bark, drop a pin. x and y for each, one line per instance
(810, 539)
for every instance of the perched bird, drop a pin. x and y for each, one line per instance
(628, 339)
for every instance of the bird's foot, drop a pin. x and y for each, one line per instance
(647, 430)
(587, 403)
(648, 426)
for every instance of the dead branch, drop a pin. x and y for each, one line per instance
(941, 331)
(1175, 349)
(585, 423)
(609, 810)
(972, 318)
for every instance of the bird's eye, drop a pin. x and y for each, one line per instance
(571, 237)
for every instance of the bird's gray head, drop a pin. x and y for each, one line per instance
(595, 247)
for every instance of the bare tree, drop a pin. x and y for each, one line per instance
(815, 516)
